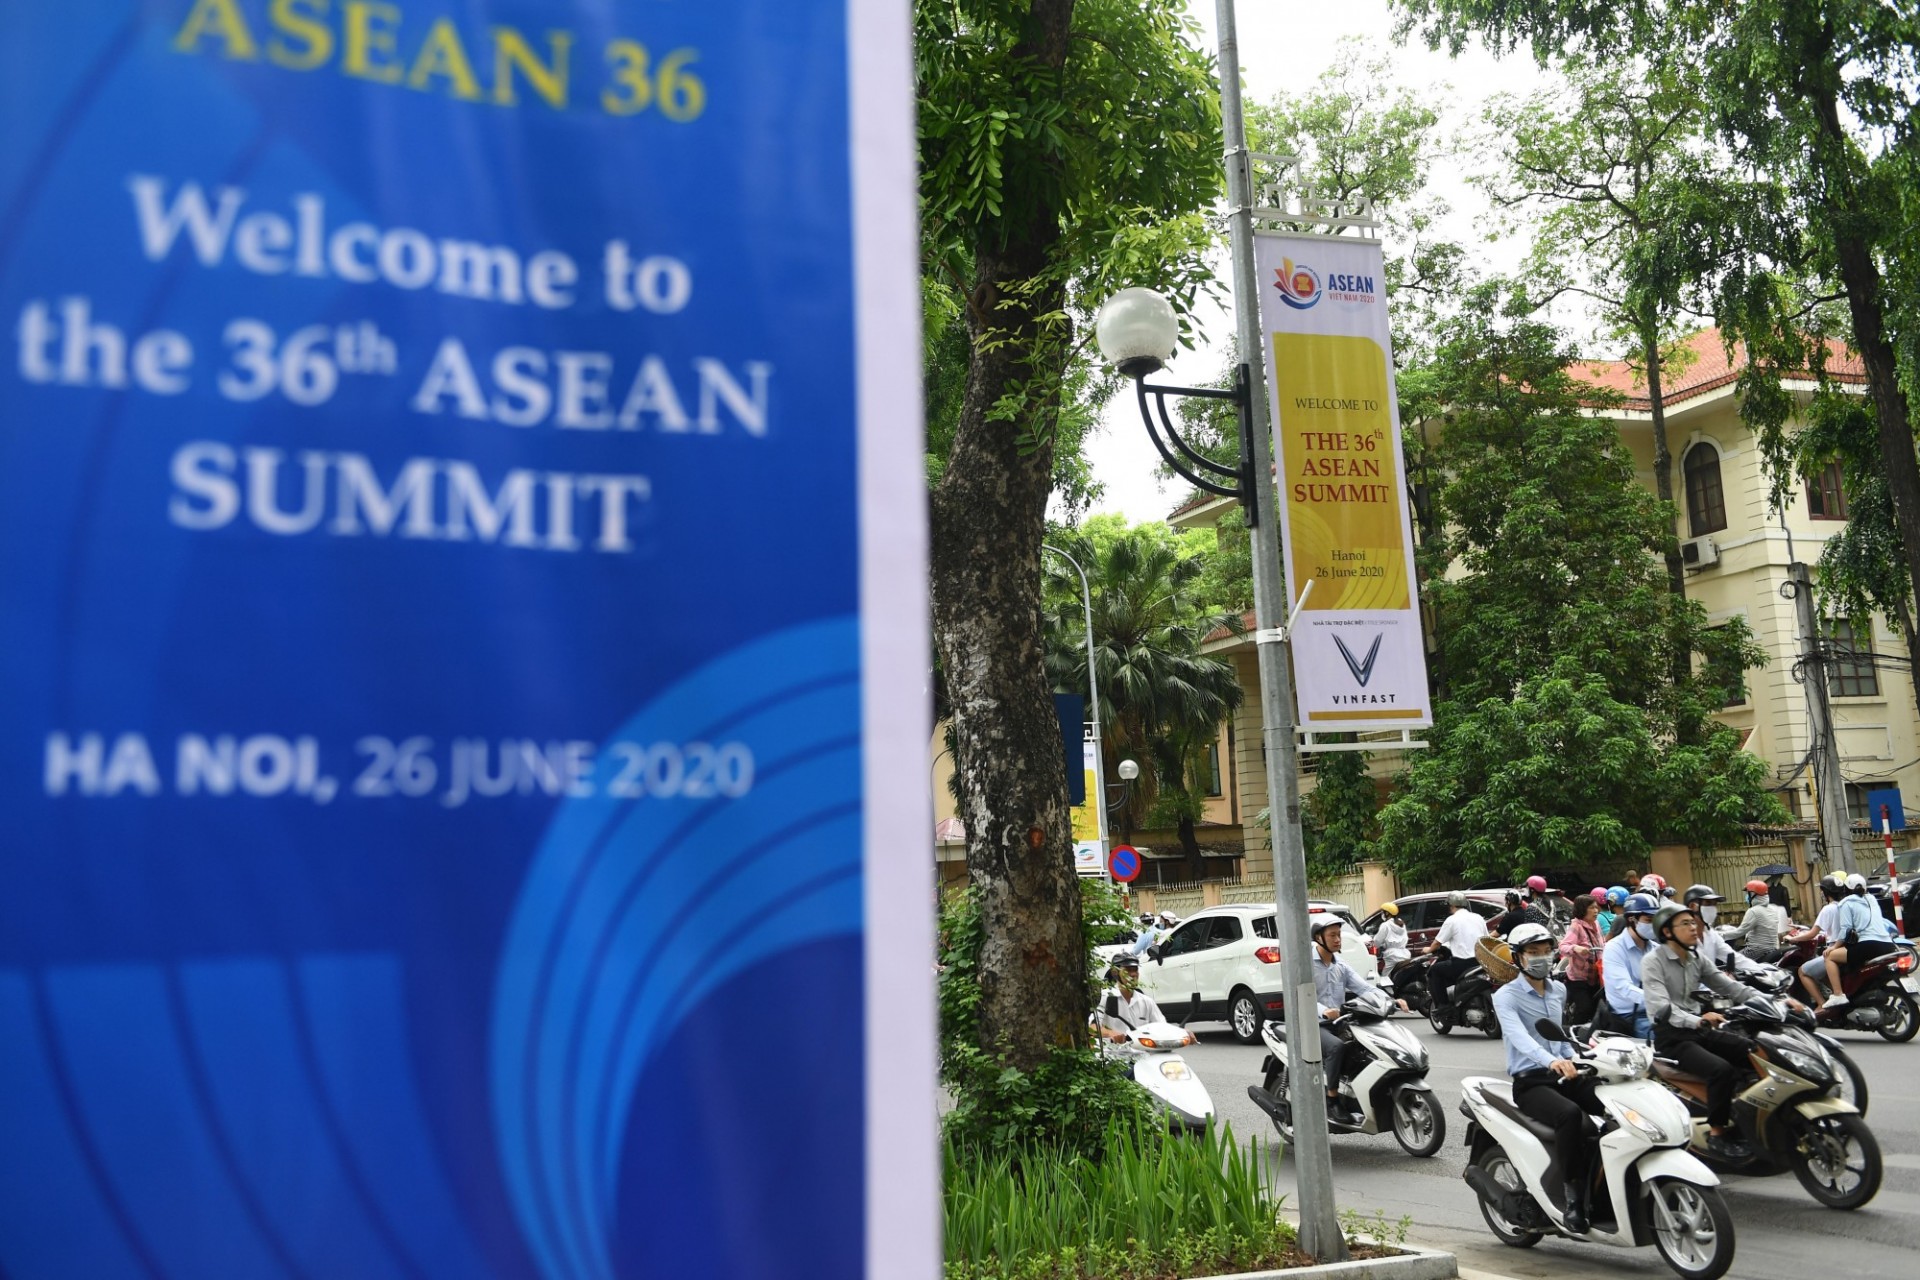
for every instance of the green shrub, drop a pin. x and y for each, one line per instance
(1149, 1206)
(1072, 1098)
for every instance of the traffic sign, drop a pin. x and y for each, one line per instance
(1124, 863)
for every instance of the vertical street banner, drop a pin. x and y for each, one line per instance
(1359, 659)
(462, 716)
(1089, 855)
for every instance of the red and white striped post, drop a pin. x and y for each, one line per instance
(1893, 875)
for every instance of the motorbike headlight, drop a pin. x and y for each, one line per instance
(1175, 1069)
(1646, 1125)
(1802, 1064)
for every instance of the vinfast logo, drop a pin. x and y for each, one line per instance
(1299, 285)
(1362, 668)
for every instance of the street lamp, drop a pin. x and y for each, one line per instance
(1093, 699)
(1128, 771)
(1138, 334)
(1137, 331)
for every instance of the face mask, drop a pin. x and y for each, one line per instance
(1644, 928)
(1537, 966)
(1708, 911)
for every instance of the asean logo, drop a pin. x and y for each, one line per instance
(1298, 284)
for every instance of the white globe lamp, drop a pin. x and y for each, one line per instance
(1137, 331)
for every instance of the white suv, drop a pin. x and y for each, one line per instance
(1230, 956)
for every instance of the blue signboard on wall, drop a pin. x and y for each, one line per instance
(455, 456)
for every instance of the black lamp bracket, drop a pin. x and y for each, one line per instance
(1211, 474)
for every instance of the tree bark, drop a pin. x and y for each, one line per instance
(988, 520)
(1860, 277)
(1663, 459)
(1910, 635)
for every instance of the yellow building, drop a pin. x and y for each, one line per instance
(1737, 549)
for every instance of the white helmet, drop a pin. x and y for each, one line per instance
(1856, 882)
(1527, 934)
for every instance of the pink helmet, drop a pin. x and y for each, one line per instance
(1537, 884)
(1600, 895)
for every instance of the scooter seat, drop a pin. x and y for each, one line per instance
(1501, 1100)
(1669, 1069)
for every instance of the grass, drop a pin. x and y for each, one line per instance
(1152, 1206)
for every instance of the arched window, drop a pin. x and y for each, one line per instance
(1706, 505)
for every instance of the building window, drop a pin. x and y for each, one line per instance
(1706, 504)
(1857, 801)
(1729, 677)
(1213, 770)
(1826, 500)
(1852, 674)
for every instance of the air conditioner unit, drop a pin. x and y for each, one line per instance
(1699, 553)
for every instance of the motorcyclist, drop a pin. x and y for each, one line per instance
(1621, 961)
(1456, 938)
(1390, 939)
(1704, 903)
(1671, 976)
(1546, 1084)
(1758, 935)
(1825, 927)
(1333, 981)
(1519, 911)
(1150, 934)
(1581, 945)
(1610, 914)
(1858, 936)
(1127, 1001)
(1601, 920)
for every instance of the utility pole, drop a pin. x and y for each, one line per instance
(1320, 1236)
(1830, 790)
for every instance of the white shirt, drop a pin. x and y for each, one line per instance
(1828, 920)
(1716, 951)
(1139, 1011)
(1460, 931)
(1391, 935)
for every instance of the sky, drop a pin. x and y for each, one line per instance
(1285, 45)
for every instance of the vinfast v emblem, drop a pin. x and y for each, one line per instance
(1362, 668)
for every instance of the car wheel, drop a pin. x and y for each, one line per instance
(1243, 1011)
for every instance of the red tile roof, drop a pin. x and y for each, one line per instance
(1707, 369)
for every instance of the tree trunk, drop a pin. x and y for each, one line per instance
(1190, 848)
(1860, 277)
(988, 520)
(1903, 622)
(1663, 460)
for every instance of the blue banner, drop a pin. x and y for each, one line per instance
(440, 632)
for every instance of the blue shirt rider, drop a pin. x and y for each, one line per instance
(1547, 1085)
(1622, 959)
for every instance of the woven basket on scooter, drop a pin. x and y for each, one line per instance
(1496, 957)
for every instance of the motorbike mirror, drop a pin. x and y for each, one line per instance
(1552, 1030)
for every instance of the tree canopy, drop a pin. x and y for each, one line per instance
(1560, 735)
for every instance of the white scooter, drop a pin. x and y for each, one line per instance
(1158, 1069)
(1649, 1189)
(1384, 1073)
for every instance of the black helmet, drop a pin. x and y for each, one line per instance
(1701, 893)
(1663, 919)
(1833, 886)
(1513, 897)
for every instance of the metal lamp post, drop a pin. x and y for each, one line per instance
(1137, 331)
(1093, 702)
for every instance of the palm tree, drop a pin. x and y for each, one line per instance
(1162, 698)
